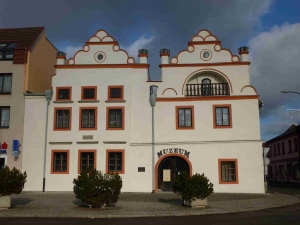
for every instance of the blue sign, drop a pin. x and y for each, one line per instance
(15, 148)
(3, 151)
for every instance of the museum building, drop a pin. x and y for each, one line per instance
(202, 117)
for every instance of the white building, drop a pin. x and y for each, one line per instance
(206, 119)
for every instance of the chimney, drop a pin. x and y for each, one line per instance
(143, 55)
(165, 56)
(244, 51)
(60, 58)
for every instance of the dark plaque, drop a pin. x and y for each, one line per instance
(141, 169)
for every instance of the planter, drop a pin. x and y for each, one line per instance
(198, 203)
(5, 201)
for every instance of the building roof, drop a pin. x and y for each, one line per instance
(292, 130)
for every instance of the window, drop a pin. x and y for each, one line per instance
(271, 149)
(274, 146)
(222, 116)
(5, 83)
(62, 118)
(290, 146)
(7, 51)
(296, 145)
(184, 117)
(228, 171)
(282, 148)
(115, 118)
(89, 93)
(296, 172)
(88, 118)
(5, 116)
(63, 93)
(278, 149)
(116, 92)
(60, 162)
(206, 86)
(115, 161)
(281, 171)
(86, 158)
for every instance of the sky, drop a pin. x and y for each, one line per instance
(270, 28)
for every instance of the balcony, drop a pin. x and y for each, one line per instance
(213, 89)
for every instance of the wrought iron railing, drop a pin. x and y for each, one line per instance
(215, 89)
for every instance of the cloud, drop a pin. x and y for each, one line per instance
(71, 50)
(140, 43)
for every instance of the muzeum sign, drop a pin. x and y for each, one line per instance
(173, 150)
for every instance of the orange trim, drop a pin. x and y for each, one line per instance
(102, 43)
(203, 64)
(60, 57)
(87, 150)
(206, 69)
(116, 86)
(165, 156)
(123, 160)
(68, 161)
(236, 171)
(127, 56)
(214, 116)
(169, 89)
(249, 86)
(243, 53)
(88, 87)
(123, 118)
(143, 55)
(80, 118)
(207, 98)
(92, 66)
(203, 42)
(154, 80)
(70, 119)
(164, 54)
(239, 59)
(177, 117)
(70, 93)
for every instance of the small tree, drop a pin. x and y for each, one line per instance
(11, 181)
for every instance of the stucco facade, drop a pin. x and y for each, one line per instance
(201, 145)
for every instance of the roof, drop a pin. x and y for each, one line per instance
(26, 37)
(291, 130)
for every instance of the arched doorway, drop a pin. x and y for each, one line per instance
(168, 168)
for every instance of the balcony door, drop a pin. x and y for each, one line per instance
(206, 87)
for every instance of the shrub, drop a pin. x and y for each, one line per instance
(11, 181)
(191, 188)
(97, 189)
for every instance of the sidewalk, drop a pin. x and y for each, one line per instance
(64, 204)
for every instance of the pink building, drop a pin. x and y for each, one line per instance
(284, 157)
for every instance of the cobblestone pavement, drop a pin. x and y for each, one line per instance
(284, 190)
(64, 204)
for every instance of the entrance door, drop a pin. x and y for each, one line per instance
(168, 170)
(2, 163)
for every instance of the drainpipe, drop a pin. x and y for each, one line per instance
(153, 94)
(48, 95)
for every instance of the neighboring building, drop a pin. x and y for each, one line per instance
(266, 160)
(27, 62)
(206, 119)
(284, 157)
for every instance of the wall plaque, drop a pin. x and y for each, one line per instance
(87, 137)
(166, 175)
(141, 169)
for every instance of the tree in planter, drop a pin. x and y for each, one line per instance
(96, 188)
(11, 181)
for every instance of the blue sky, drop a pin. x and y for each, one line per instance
(270, 28)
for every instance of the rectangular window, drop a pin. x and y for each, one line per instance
(274, 150)
(222, 116)
(115, 118)
(62, 119)
(278, 149)
(296, 172)
(89, 93)
(7, 51)
(184, 117)
(228, 171)
(115, 161)
(60, 162)
(271, 149)
(290, 146)
(296, 145)
(87, 158)
(281, 172)
(116, 92)
(283, 148)
(88, 118)
(63, 93)
(4, 116)
(5, 83)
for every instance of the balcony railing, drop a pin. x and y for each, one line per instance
(215, 89)
(5, 89)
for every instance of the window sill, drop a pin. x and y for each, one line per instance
(63, 101)
(87, 142)
(185, 128)
(115, 128)
(115, 101)
(114, 142)
(114, 172)
(222, 127)
(5, 93)
(88, 101)
(60, 143)
(4, 127)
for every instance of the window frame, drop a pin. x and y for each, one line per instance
(296, 145)
(5, 50)
(115, 99)
(108, 117)
(215, 126)
(283, 148)
(70, 94)
(192, 127)
(290, 146)
(278, 149)
(275, 151)
(88, 87)
(5, 107)
(107, 160)
(52, 161)
(2, 75)
(55, 118)
(80, 118)
(220, 171)
(86, 151)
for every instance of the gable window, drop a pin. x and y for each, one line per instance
(4, 116)
(296, 145)
(228, 171)
(282, 148)
(60, 162)
(62, 118)
(7, 51)
(116, 92)
(115, 161)
(89, 93)
(88, 118)
(184, 117)
(115, 118)
(290, 146)
(87, 158)
(63, 93)
(5, 83)
(222, 116)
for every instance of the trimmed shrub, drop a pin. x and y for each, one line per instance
(11, 181)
